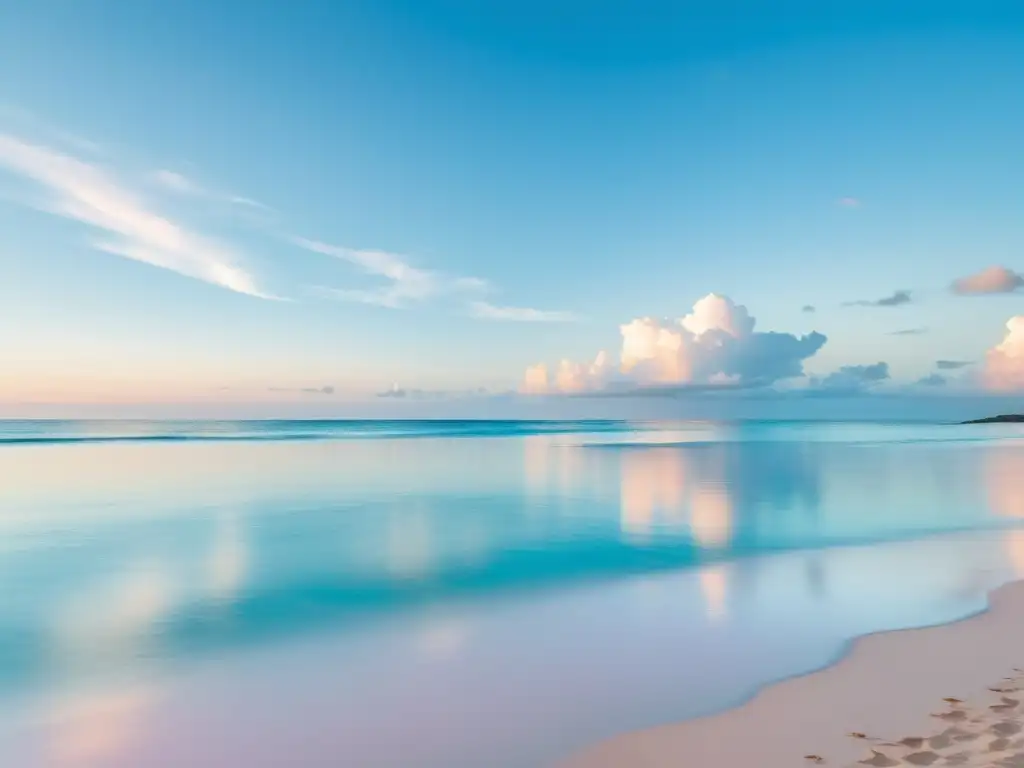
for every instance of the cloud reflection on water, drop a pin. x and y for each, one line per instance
(288, 539)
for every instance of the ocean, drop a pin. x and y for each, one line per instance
(461, 593)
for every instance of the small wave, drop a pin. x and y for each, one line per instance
(53, 439)
(13, 434)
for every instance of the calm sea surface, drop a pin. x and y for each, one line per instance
(450, 594)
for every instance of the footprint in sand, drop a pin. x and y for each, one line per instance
(914, 742)
(879, 760)
(922, 758)
(1006, 728)
(967, 736)
(1006, 707)
(942, 740)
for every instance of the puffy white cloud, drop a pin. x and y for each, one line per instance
(715, 344)
(993, 279)
(1004, 363)
(569, 377)
(535, 380)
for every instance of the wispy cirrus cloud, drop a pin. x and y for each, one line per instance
(405, 284)
(487, 311)
(991, 280)
(909, 331)
(849, 202)
(23, 121)
(90, 194)
(181, 184)
(898, 298)
(176, 182)
(132, 226)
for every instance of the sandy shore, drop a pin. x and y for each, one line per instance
(947, 695)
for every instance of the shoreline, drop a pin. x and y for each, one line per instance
(886, 687)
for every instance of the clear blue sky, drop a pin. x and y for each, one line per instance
(450, 191)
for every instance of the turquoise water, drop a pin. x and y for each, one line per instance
(461, 593)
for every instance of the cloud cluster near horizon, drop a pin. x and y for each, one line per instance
(933, 380)
(991, 280)
(714, 345)
(401, 393)
(1004, 363)
(855, 378)
(327, 389)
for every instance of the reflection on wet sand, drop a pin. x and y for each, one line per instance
(714, 587)
(99, 728)
(1004, 483)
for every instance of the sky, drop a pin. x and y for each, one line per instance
(328, 208)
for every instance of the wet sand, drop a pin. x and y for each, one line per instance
(938, 696)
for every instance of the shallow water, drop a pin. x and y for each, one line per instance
(460, 593)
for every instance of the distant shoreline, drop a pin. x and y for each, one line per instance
(1007, 418)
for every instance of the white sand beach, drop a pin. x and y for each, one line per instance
(946, 695)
